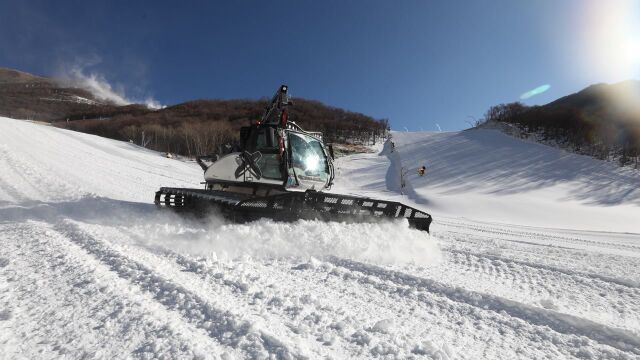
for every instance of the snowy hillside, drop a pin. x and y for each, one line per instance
(487, 175)
(89, 267)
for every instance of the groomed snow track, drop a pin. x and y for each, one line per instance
(88, 269)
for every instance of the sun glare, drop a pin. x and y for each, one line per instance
(611, 40)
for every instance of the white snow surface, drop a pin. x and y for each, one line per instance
(533, 253)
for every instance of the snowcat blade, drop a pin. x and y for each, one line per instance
(291, 206)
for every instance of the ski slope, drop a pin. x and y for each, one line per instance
(487, 175)
(522, 262)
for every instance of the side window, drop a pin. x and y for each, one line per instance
(266, 143)
(266, 139)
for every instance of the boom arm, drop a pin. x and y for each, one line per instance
(278, 104)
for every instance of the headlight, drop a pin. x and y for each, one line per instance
(311, 162)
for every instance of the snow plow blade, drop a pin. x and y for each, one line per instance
(308, 205)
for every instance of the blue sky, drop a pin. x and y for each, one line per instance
(421, 64)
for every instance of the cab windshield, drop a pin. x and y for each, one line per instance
(308, 158)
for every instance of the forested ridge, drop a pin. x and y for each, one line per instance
(199, 127)
(191, 128)
(602, 121)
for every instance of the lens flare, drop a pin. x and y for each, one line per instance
(312, 162)
(609, 44)
(537, 91)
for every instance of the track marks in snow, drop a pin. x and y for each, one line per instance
(574, 274)
(320, 309)
(35, 178)
(577, 294)
(5, 183)
(548, 253)
(628, 283)
(353, 293)
(561, 323)
(255, 291)
(302, 319)
(60, 302)
(222, 326)
(369, 337)
(540, 238)
(281, 312)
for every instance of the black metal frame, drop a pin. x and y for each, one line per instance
(291, 206)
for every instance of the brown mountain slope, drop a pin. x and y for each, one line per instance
(26, 96)
(11, 76)
(189, 128)
(602, 120)
(213, 122)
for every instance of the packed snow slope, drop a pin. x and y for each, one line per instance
(487, 175)
(90, 269)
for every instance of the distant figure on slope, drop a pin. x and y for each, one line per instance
(422, 170)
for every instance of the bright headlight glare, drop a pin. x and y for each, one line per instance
(311, 162)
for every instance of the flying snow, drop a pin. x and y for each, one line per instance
(97, 83)
(301, 239)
